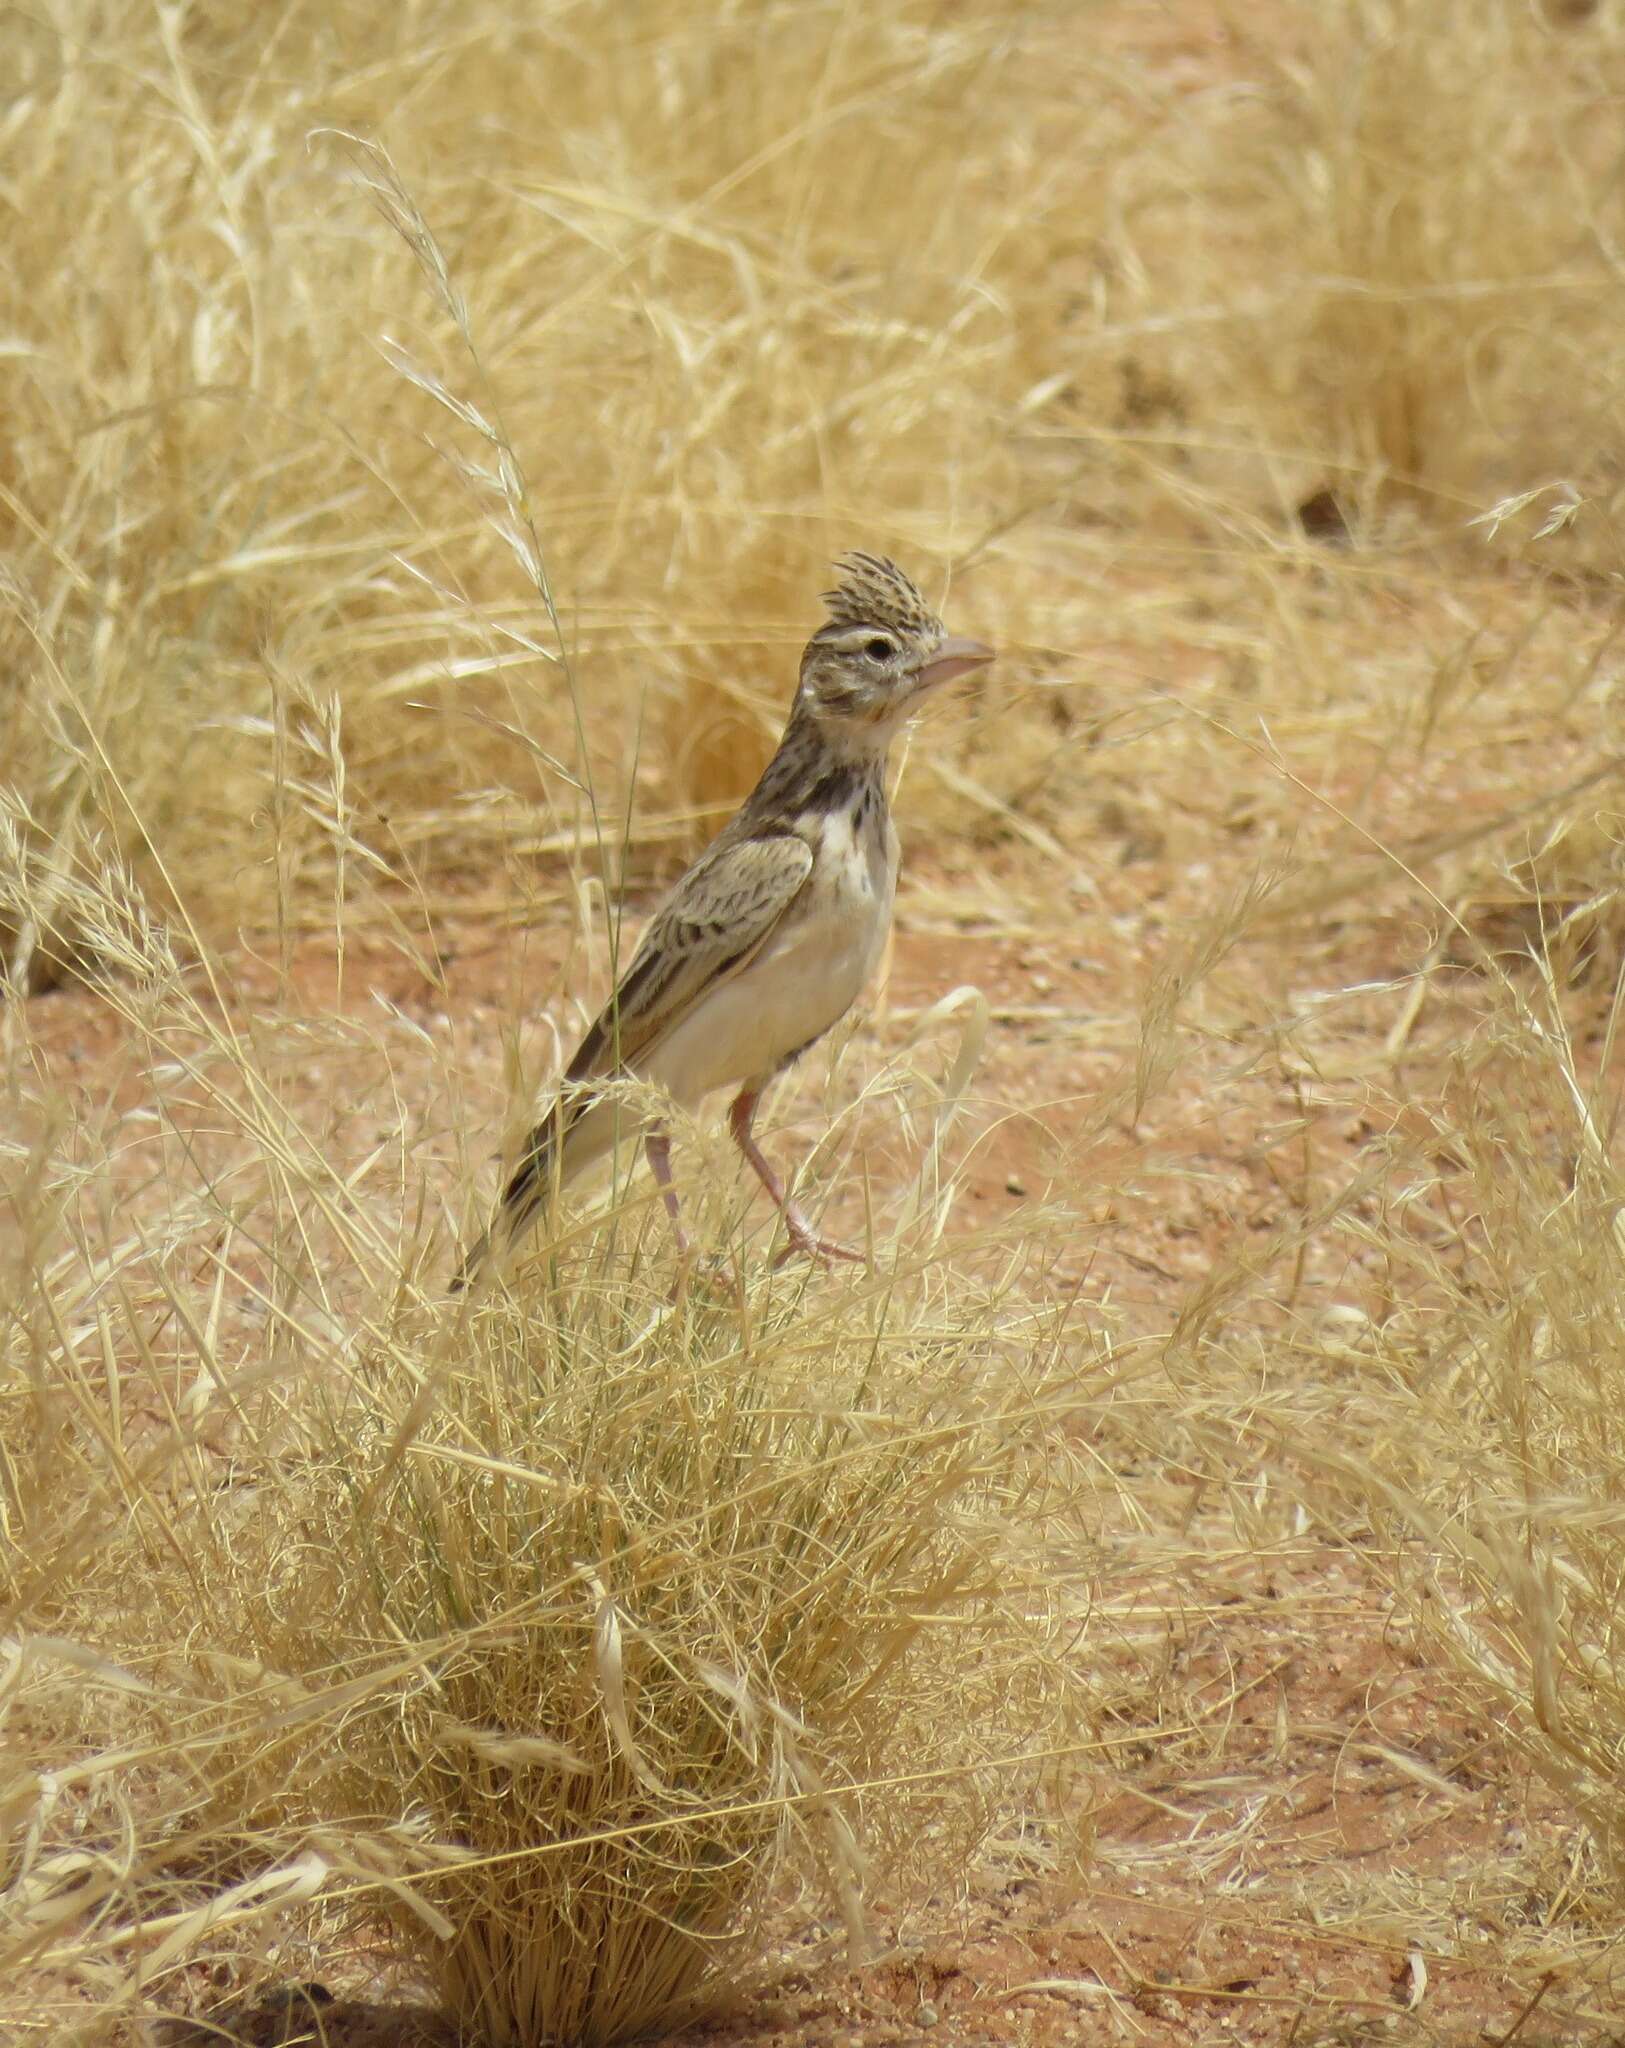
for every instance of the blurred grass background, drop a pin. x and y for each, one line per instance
(1071, 308)
(426, 431)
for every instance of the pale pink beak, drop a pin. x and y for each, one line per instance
(953, 659)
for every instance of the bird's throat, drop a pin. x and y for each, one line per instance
(816, 770)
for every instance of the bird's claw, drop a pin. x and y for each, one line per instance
(824, 1249)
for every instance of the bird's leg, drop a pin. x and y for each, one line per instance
(658, 1147)
(803, 1238)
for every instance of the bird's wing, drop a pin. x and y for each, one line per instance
(718, 917)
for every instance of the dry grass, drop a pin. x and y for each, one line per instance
(359, 571)
(1493, 1387)
(244, 533)
(644, 1657)
(687, 319)
(1397, 262)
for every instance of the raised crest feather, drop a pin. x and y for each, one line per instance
(874, 592)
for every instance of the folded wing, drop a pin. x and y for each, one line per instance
(721, 914)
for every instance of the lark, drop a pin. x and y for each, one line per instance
(772, 934)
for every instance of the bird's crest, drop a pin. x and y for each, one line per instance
(875, 592)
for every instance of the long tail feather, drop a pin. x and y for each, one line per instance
(528, 1189)
(468, 1266)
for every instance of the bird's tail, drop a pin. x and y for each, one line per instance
(469, 1265)
(529, 1188)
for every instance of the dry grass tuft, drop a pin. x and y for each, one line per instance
(1493, 1385)
(590, 1615)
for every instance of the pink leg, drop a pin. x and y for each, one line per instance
(803, 1238)
(658, 1148)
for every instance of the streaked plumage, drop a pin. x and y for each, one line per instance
(770, 936)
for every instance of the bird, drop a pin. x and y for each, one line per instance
(770, 936)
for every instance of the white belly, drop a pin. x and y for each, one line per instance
(805, 978)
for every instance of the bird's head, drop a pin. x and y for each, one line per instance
(882, 652)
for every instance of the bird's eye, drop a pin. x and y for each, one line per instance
(879, 649)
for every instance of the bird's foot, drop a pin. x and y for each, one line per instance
(810, 1245)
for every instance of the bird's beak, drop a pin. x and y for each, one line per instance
(954, 658)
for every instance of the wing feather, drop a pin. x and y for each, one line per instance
(721, 913)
